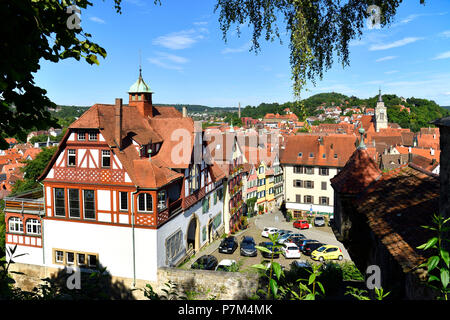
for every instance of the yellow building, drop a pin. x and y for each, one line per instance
(265, 192)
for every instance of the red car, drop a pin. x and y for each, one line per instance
(301, 224)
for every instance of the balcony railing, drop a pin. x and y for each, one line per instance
(30, 202)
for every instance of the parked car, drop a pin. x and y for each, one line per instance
(248, 248)
(268, 230)
(269, 245)
(283, 232)
(295, 237)
(284, 238)
(301, 224)
(227, 265)
(302, 243)
(301, 269)
(301, 264)
(290, 250)
(327, 252)
(308, 248)
(319, 221)
(228, 245)
(206, 262)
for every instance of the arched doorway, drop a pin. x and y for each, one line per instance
(193, 234)
(210, 231)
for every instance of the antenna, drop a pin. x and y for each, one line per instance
(140, 63)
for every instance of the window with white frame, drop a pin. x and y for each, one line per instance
(59, 256)
(70, 258)
(60, 202)
(74, 203)
(15, 224)
(123, 199)
(71, 157)
(106, 158)
(92, 136)
(33, 226)
(145, 202)
(173, 245)
(89, 204)
(81, 135)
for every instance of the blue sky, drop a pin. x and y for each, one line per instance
(185, 60)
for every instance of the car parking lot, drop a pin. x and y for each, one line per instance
(256, 225)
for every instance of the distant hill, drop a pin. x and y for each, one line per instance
(423, 111)
(194, 108)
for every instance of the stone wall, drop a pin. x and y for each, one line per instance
(204, 284)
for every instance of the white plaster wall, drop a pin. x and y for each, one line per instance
(113, 244)
(32, 255)
(104, 200)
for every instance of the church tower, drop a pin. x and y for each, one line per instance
(381, 120)
(140, 96)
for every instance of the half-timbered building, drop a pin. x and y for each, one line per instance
(125, 190)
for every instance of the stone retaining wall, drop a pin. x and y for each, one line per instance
(202, 283)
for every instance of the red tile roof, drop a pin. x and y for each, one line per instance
(358, 173)
(306, 144)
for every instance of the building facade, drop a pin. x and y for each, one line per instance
(122, 193)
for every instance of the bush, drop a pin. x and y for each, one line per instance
(331, 277)
(350, 272)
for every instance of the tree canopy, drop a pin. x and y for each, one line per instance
(317, 29)
(33, 31)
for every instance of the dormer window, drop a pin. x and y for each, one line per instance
(81, 136)
(92, 136)
(311, 155)
(300, 154)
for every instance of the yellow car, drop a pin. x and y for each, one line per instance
(327, 252)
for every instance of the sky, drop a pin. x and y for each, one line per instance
(185, 60)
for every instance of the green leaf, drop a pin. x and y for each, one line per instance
(277, 269)
(321, 287)
(429, 244)
(273, 286)
(445, 257)
(264, 249)
(312, 278)
(260, 266)
(432, 262)
(310, 296)
(433, 278)
(444, 277)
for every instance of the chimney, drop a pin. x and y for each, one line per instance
(239, 110)
(184, 112)
(432, 151)
(118, 123)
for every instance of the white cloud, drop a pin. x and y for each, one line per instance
(391, 72)
(200, 23)
(244, 47)
(444, 55)
(395, 44)
(445, 34)
(168, 61)
(386, 58)
(179, 40)
(97, 19)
